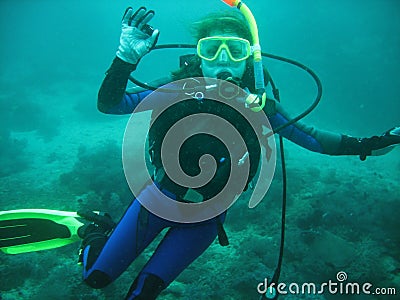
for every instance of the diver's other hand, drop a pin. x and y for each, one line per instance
(376, 145)
(137, 36)
(380, 145)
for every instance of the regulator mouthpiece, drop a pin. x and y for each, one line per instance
(228, 91)
(224, 75)
(227, 76)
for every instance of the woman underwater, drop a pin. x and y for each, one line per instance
(224, 52)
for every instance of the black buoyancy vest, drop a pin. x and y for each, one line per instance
(199, 144)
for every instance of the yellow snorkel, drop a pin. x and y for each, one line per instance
(255, 102)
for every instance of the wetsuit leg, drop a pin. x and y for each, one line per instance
(182, 244)
(135, 231)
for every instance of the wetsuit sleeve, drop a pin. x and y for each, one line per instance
(308, 137)
(112, 98)
(331, 143)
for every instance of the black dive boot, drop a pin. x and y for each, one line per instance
(145, 287)
(94, 234)
(94, 237)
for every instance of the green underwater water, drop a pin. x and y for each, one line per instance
(58, 152)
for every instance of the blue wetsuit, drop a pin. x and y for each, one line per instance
(183, 242)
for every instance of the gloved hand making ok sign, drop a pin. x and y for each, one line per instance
(137, 37)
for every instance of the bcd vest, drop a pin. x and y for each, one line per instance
(200, 144)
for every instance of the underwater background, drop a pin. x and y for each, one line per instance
(58, 152)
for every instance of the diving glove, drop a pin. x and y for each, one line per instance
(376, 145)
(137, 37)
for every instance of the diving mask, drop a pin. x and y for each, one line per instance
(209, 48)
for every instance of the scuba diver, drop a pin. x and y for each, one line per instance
(224, 52)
